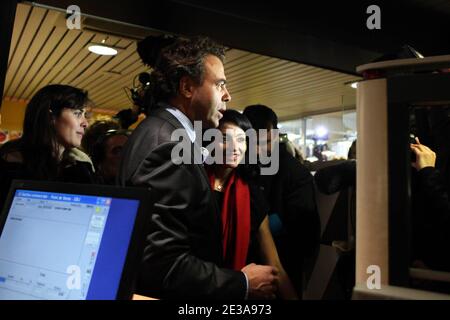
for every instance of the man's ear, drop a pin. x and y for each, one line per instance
(186, 86)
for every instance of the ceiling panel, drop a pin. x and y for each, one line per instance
(44, 51)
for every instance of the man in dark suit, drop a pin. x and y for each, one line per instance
(183, 256)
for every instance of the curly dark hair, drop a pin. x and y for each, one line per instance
(177, 57)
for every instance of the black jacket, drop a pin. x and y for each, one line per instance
(290, 193)
(183, 254)
(336, 177)
(70, 170)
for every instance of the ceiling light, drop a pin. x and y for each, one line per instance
(353, 83)
(102, 49)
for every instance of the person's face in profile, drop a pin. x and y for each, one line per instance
(233, 144)
(70, 126)
(209, 99)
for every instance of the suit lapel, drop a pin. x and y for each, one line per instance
(167, 116)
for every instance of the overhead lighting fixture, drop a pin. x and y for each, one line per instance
(353, 83)
(102, 49)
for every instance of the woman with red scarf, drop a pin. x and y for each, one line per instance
(246, 235)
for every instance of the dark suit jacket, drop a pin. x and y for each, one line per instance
(183, 254)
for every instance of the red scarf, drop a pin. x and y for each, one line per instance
(235, 221)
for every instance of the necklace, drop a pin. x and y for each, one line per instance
(219, 184)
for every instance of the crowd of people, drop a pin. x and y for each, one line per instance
(219, 231)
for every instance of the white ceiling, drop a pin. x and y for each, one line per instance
(44, 51)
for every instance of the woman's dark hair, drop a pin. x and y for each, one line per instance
(246, 170)
(39, 144)
(173, 58)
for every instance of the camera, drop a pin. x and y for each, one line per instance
(283, 137)
(138, 91)
(412, 140)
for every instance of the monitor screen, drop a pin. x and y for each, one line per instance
(64, 246)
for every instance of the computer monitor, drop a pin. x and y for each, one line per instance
(71, 241)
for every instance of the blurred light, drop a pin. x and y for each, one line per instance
(321, 132)
(293, 136)
(102, 49)
(354, 85)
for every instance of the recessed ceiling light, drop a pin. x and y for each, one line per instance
(102, 49)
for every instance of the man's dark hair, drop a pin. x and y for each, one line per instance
(261, 116)
(173, 59)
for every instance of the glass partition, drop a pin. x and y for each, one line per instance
(323, 137)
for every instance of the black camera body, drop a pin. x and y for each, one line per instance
(412, 140)
(138, 92)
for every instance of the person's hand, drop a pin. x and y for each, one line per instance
(262, 281)
(425, 157)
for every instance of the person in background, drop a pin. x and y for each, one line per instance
(96, 130)
(53, 127)
(104, 142)
(293, 215)
(291, 148)
(246, 234)
(341, 178)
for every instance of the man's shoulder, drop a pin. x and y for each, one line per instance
(159, 126)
